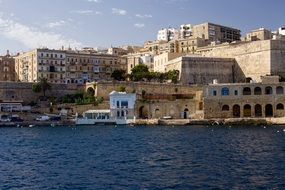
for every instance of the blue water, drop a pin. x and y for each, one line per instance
(105, 157)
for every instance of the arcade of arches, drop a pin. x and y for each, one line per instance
(256, 110)
(181, 109)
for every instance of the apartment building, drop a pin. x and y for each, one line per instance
(139, 58)
(41, 63)
(7, 68)
(66, 66)
(216, 33)
(167, 34)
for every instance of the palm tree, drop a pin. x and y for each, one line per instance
(42, 85)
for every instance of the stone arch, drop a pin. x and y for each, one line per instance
(280, 106)
(157, 113)
(225, 108)
(246, 91)
(268, 90)
(143, 112)
(247, 110)
(257, 91)
(90, 91)
(258, 110)
(236, 111)
(279, 90)
(268, 110)
(186, 113)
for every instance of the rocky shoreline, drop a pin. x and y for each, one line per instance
(166, 122)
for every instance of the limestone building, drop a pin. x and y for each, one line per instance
(7, 68)
(41, 63)
(245, 100)
(160, 61)
(139, 58)
(259, 34)
(216, 33)
(66, 66)
(190, 44)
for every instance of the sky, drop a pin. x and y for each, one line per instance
(29, 24)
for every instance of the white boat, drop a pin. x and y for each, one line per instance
(94, 117)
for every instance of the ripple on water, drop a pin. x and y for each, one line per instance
(105, 157)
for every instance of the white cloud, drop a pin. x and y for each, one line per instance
(119, 11)
(83, 12)
(98, 13)
(33, 37)
(139, 25)
(143, 16)
(56, 24)
(94, 1)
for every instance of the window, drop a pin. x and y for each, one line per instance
(118, 113)
(225, 91)
(246, 91)
(214, 93)
(225, 108)
(257, 91)
(236, 92)
(268, 90)
(125, 104)
(279, 90)
(280, 107)
(118, 104)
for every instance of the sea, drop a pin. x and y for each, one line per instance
(144, 157)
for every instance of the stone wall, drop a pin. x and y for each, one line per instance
(203, 70)
(22, 92)
(103, 89)
(255, 59)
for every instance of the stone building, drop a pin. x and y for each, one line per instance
(139, 58)
(216, 33)
(66, 66)
(41, 63)
(160, 61)
(82, 67)
(7, 68)
(190, 44)
(245, 100)
(255, 58)
(156, 100)
(259, 34)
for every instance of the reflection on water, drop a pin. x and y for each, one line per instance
(160, 157)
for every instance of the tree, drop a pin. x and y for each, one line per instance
(119, 75)
(41, 86)
(173, 75)
(139, 72)
(122, 89)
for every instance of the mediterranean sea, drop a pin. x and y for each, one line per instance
(160, 157)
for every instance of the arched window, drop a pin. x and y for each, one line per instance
(246, 91)
(236, 111)
(279, 90)
(257, 91)
(225, 91)
(268, 110)
(247, 110)
(268, 90)
(258, 110)
(280, 107)
(225, 108)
